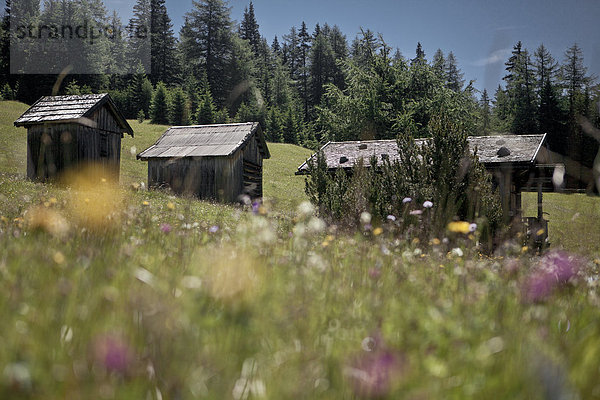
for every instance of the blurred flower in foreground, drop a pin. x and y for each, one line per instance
(305, 209)
(48, 220)
(231, 275)
(374, 373)
(165, 228)
(96, 198)
(113, 353)
(365, 218)
(553, 271)
(459, 227)
(17, 376)
(416, 212)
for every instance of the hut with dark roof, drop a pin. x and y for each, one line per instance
(65, 132)
(215, 162)
(517, 163)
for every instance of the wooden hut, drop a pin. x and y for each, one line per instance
(220, 162)
(517, 163)
(65, 132)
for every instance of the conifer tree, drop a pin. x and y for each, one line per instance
(249, 29)
(180, 110)
(439, 65)
(163, 45)
(160, 105)
(206, 110)
(419, 56)
(303, 76)
(290, 127)
(322, 67)
(485, 114)
(276, 47)
(140, 43)
(207, 45)
(519, 87)
(454, 77)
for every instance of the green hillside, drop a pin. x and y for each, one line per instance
(13, 141)
(281, 187)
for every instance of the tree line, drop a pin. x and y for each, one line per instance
(304, 87)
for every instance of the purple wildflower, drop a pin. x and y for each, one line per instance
(406, 200)
(165, 228)
(416, 212)
(374, 273)
(472, 227)
(112, 352)
(427, 204)
(391, 218)
(554, 270)
(373, 374)
(213, 229)
(255, 207)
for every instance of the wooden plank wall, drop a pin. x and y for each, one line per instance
(51, 149)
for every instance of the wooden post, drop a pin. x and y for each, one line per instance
(540, 202)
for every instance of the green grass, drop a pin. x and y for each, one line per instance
(13, 141)
(168, 297)
(574, 220)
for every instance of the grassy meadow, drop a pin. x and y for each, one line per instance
(114, 292)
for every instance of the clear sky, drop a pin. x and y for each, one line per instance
(481, 33)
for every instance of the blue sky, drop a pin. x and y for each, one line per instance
(481, 33)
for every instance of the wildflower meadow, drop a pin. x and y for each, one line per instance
(112, 291)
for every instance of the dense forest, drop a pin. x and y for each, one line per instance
(307, 86)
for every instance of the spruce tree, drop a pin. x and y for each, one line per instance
(160, 105)
(303, 77)
(419, 56)
(276, 47)
(439, 65)
(454, 77)
(249, 29)
(180, 110)
(485, 114)
(206, 110)
(322, 67)
(207, 45)
(140, 40)
(290, 127)
(163, 45)
(520, 90)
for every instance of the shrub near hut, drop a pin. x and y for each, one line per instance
(440, 173)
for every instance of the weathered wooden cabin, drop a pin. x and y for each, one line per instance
(517, 163)
(66, 132)
(217, 162)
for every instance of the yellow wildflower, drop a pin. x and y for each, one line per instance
(459, 227)
(377, 231)
(58, 258)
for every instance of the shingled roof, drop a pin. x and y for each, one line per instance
(521, 149)
(205, 141)
(70, 109)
